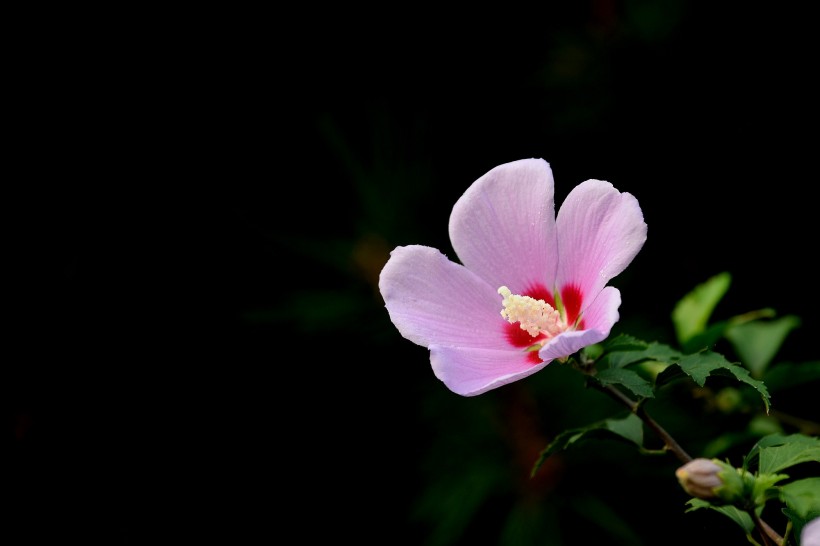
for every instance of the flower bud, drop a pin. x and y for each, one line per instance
(699, 477)
(810, 536)
(712, 479)
(737, 483)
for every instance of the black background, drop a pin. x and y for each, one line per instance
(178, 178)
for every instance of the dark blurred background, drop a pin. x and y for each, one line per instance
(201, 204)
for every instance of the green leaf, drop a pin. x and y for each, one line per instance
(775, 459)
(706, 338)
(691, 314)
(652, 351)
(802, 497)
(628, 429)
(784, 375)
(757, 342)
(593, 352)
(775, 440)
(714, 332)
(625, 378)
(626, 350)
(765, 488)
(560, 443)
(802, 500)
(700, 365)
(623, 342)
(738, 516)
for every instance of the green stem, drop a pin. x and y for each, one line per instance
(669, 443)
(588, 368)
(768, 534)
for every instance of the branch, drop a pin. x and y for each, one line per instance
(588, 367)
(766, 531)
(670, 444)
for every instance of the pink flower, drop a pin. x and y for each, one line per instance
(532, 287)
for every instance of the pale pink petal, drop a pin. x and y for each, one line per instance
(602, 312)
(433, 300)
(600, 230)
(470, 371)
(503, 227)
(810, 535)
(598, 320)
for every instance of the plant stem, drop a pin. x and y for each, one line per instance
(766, 531)
(669, 443)
(588, 367)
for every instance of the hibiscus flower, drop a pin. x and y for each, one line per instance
(531, 287)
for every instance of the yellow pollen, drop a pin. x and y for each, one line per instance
(534, 316)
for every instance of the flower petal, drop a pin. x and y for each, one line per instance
(600, 230)
(470, 371)
(599, 318)
(810, 535)
(602, 313)
(503, 227)
(433, 300)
